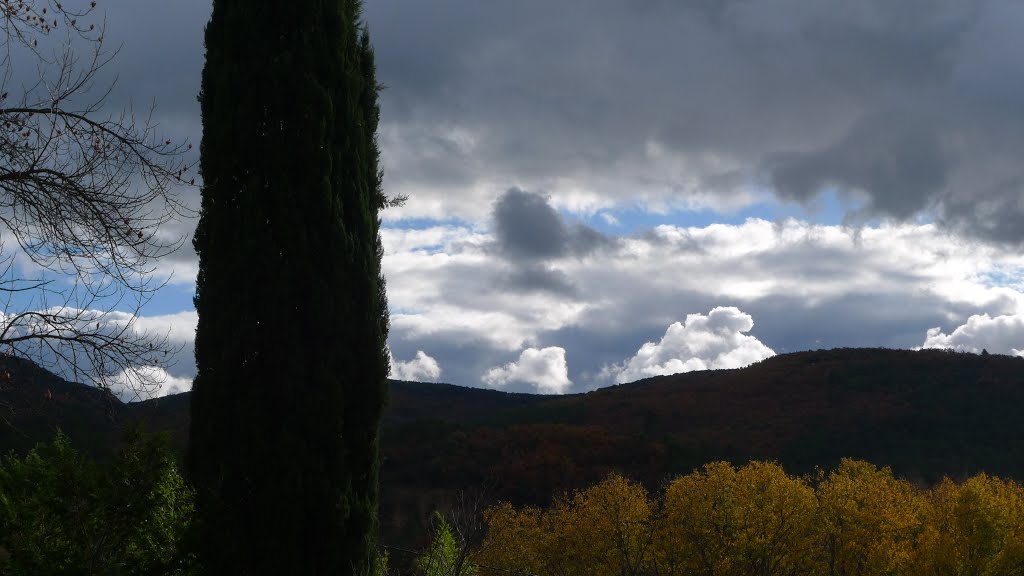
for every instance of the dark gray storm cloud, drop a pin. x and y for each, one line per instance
(159, 58)
(529, 232)
(913, 106)
(899, 164)
(528, 228)
(539, 277)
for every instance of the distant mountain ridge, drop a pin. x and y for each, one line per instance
(924, 413)
(34, 403)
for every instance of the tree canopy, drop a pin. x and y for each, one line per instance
(756, 520)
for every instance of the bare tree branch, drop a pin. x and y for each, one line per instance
(85, 194)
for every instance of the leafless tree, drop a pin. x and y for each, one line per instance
(85, 194)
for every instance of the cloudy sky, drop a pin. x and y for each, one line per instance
(604, 190)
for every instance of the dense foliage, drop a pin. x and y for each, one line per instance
(445, 556)
(290, 345)
(758, 521)
(62, 513)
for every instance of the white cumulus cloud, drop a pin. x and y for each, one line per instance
(714, 341)
(130, 385)
(997, 334)
(422, 368)
(875, 285)
(544, 369)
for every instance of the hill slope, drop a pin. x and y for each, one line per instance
(924, 413)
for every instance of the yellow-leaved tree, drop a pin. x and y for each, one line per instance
(868, 521)
(757, 520)
(614, 533)
(698, 531)
(605, 530)
(974, 529)
(515, 540)
(754, 520)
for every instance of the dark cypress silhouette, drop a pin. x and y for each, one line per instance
(290, 346)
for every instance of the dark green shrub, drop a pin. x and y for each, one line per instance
(62, 513)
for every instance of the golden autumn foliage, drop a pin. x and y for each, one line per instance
(868, 521)
(756, 520)
(720, 520)
(606, 529)
(974, 529)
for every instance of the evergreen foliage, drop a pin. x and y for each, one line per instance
(62, 513)
(445, 557)
(292, 330)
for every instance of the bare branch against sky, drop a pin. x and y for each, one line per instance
(86, 194)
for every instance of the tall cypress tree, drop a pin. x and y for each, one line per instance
(290, 345)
